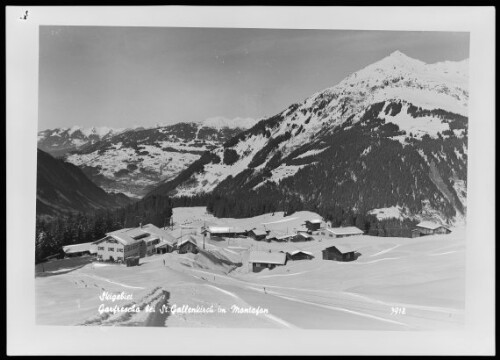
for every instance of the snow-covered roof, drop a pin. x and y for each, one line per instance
(224, 230)
(314, 221)
(305, 234)
(267, 257)
(259, 232)
(284, 236)
(130, 236)
(342, 248)
(164, 235)
(190, 239)
(72, 249)
(347, 230)
(300, 251)
(429, 225)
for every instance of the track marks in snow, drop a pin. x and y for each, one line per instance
(385, 251)
(111, 282)
(271, 317)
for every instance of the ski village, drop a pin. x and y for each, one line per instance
(346, 210)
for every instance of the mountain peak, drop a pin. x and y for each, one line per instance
(398, 54)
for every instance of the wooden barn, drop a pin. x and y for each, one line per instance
(339, 253)
(431, 228)
(258, 234)
(266, 260)
(313, 225)
(187, 245)
(299, 255)
(343, 231)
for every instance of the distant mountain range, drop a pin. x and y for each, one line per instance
(63, 188)
(60, 141)
(132, 161)
(388, 140)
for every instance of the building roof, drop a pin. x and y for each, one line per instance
(267, 257)
(73, 249)
(224, 230)
(430, 225)
(259, 232)
(347, 230)
(300, 251)
(284, 236)
(305, 234)
(275, 234)
(342, 248)
(190, 239)
(163, 235)
(314, 221)
(130, 236)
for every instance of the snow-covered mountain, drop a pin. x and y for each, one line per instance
(390, 136)
(135, 159)
(60, 141)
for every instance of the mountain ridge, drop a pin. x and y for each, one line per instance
(398, 102)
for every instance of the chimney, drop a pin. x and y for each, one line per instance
(140, 225)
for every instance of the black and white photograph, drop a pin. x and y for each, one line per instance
(252, 178)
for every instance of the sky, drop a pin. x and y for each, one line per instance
(138, 76)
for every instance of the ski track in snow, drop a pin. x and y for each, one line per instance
(385, 251)
(341, 309)
(269, 316)
(109, 281)
(279, 221)
(445, 253)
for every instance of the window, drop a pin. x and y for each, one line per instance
(111, 249)
(119, 250)
(100, 248)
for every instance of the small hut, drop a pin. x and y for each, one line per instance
(187, 245)
(339, 253)
(132, 261)
(266, 259)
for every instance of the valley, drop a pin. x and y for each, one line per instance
(423, 276)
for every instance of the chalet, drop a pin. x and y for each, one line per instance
(121, 244)
(343, 231)
(299, 255)
(217, 232)
(258, 234)
(79, 249)
(339, 253)
(265, 259)
(187, 245)
(431, 228)
(313, 224)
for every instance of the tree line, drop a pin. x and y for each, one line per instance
(76, 228)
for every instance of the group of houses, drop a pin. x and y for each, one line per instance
(130, 244)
